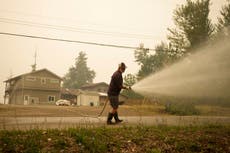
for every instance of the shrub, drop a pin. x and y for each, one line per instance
(181, 109)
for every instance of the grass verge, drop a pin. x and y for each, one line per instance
(149, 139)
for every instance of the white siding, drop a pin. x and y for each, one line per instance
(87, 100)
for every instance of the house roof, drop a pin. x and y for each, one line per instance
(93, 85)
(33, 72)
(86, 92)
(77, 92)
(70, 91)
(103, 94)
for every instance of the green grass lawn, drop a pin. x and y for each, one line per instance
(150, 139)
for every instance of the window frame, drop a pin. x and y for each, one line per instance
(51, 98)
(31, 78)
(54, 81)
(43, 80)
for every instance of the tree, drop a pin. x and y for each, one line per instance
(163, 56)
(130, 80)
(193, 27)
(224, 21)
(79, 74)
(151, 63)
(145, 60)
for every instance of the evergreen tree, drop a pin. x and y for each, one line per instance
(79, 74)
(224, 21)
(193, 27)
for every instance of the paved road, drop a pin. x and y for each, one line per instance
(66, 122)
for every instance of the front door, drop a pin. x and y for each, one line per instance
(26, 100)
(34, 100)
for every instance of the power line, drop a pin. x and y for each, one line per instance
(70, 41)
(73, 29)
(54, 18)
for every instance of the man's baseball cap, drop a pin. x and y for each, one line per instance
(122, 65)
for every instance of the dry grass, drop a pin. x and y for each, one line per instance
(124, 110)
(212, 110)
(75, 111)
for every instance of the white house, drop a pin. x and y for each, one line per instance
(88, 98)
(89, 95)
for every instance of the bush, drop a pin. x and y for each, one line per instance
(131, 94)
(181, 109)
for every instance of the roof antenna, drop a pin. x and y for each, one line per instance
(34, 66)
(11, 74)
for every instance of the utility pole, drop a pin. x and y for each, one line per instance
(34, 66)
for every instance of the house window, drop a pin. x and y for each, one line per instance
(26, 98)
(12, 82)
(43, 80)
(31, 78)
(54, 80)
(51, 98)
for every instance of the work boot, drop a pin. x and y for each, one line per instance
(109, 119)
(116, 118)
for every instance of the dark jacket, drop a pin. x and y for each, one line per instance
(115, 84)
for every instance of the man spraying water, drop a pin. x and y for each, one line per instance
(115, 86)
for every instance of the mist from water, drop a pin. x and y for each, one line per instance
(205, 74)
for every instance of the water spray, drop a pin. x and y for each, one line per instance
(205, 74)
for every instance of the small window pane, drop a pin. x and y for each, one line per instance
(43, 80)
(31, 78)
(54, 80)
(51, 98)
